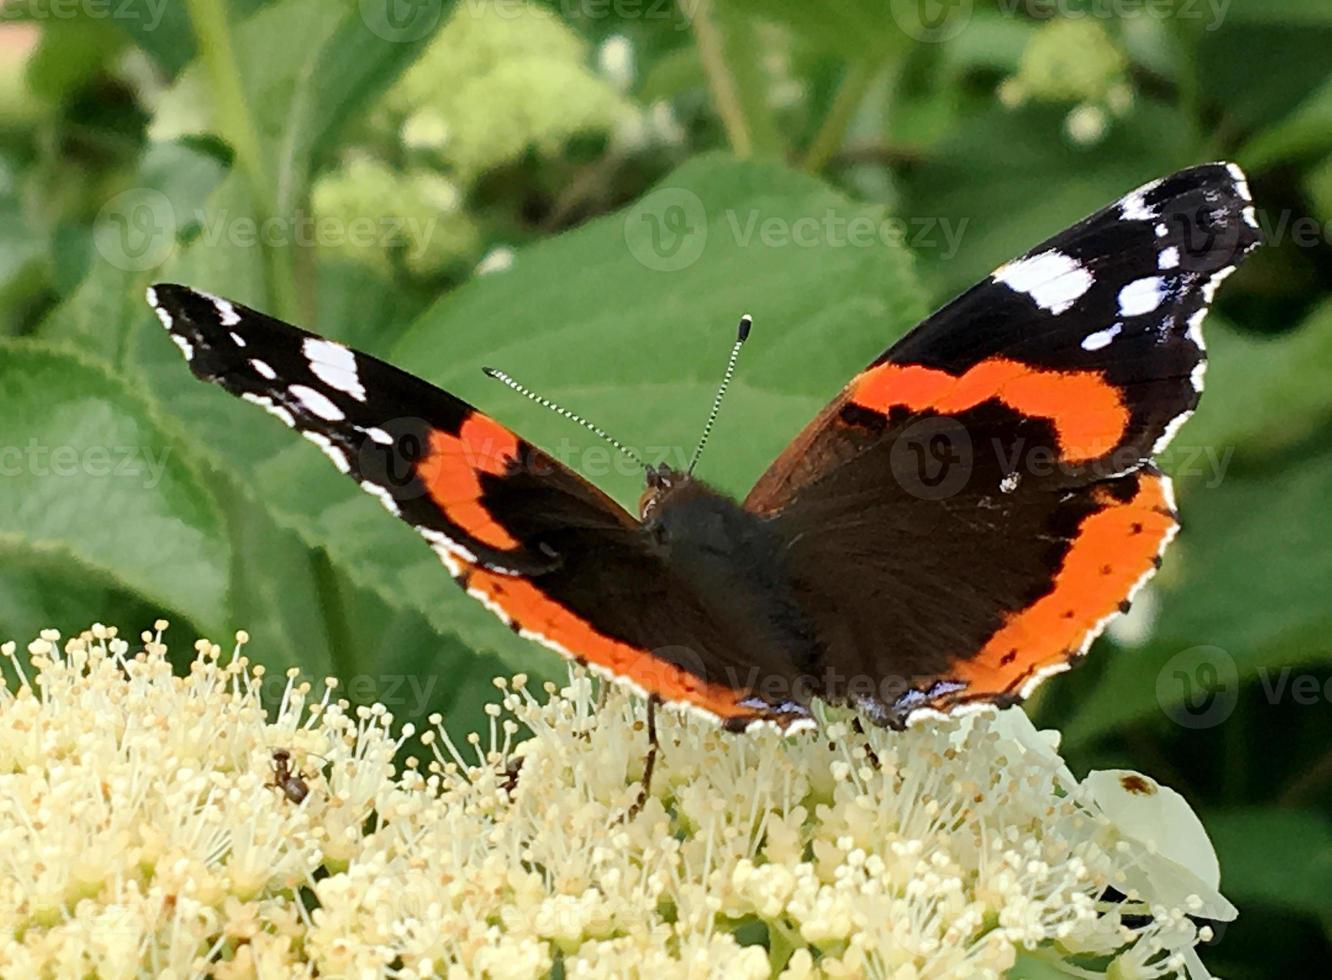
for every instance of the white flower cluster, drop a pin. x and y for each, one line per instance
(145, 830)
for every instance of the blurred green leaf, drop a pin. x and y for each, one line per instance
(1256, 566)
(857, 28)
(1277, 857)
(48, 591)
(20, 246)
(1310, 12)
(1254, 100)
(72, 52)
(1307, 130)
(1265, 393)
(90, 474)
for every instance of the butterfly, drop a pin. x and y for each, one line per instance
(959, 522)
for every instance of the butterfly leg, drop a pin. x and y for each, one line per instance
(870, 754)
(650, 762)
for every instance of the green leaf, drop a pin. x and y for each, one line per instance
(90, 474)
(1276, 857)
(1306, 130)
(47, 591)
(1265, 393)
(1294, 12)
(855, 28)
(1252, 100)
(71, 54)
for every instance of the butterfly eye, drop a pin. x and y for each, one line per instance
(648, 501)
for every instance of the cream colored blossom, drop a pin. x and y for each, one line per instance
(140, 832)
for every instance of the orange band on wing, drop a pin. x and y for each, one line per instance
(1115, 547)
(532, 610)
(451, 474)
(1088, 414)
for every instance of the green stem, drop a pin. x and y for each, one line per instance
(832, 134)
(212, 29)
(721, 80)
(336, 628)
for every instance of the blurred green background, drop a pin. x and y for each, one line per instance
(587, 193)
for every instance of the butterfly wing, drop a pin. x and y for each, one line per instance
(548, 553)
(986, 484)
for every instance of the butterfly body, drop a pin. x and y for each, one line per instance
(960, 522)
(733, 562)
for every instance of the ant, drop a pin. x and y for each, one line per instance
(292, 784)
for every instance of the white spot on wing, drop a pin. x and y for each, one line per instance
(226, 312)
(1172, 427)
(263, 369)
(1241, 182)
(1169, 258)
(1010, 482)
(317, 403)
(1101, 338)
(333, 452)
(185, 346)
(1195, 326)
(1210, 287)
(1052, 279)
(237, 339)
(1133, 205)
(1141, 296)
(270, 406)
(379, 435)
(382, 495)
(334, 365)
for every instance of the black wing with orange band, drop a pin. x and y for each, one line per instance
(547, 552)
(974, 506)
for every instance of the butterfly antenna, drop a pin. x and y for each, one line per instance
(741, 336)
(597, 430)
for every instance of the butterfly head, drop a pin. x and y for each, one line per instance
(662, 481)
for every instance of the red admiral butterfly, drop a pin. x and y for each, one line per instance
(960, 522)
